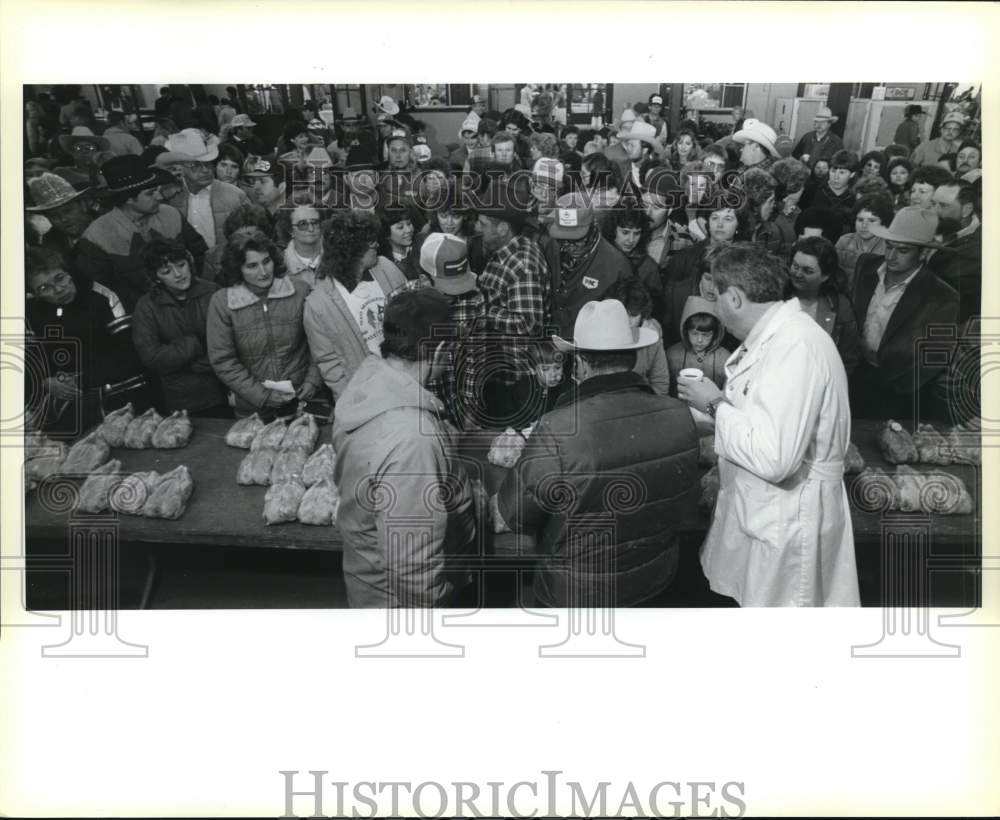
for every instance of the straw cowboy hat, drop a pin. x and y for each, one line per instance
(643, 132)
(387, 105)
(759, 132)
(82, 134)
(189, 145)
(51, 191)
(605, 326)
(910, 226)
(825, 113)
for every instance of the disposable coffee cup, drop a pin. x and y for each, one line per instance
(690, 374)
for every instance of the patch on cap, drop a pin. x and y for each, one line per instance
(569, 218)
(259, 165)
(456, 268)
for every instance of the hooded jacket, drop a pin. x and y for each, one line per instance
(251, 340)
(392, 449)
(713, 361)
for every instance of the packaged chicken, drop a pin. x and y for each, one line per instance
(174, 431)
(86, 455)
(319, 504)
(130, 495)
(288, 464)
(243, 432)
(256, 467)
(38, 445)
(909, 483)
(46, 461)
(269, 436)
(945, 494)
(320, 465)
(964, 445)
(170, 496)
(139, 433)
(303, 433)
(506, 449)
(853, 462)
(932, 447)
(706, 451)
(281, 504)
(897, 444)
(876, 490)
(98, 486)
(115, 423)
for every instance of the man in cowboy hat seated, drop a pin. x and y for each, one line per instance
(758, 140)
(820, 143)
(204, 200)
(110, 250)
(897, 298)
(66, 209)
(930, 151)
(608, 477)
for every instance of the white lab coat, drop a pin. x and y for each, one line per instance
(781, 534)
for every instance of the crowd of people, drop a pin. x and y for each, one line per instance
(533, 276)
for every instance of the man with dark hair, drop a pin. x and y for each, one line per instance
(406, 505)
(782, 429)
(110, 250)
(898, 298)
(835, 193)
(607, 478)
(960, 261)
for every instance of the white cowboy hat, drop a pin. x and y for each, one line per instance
(825, 114)
(388, 105)
(759, 132)
(642, 131)
(910, 226)
(189, 145)
(605, 326)
(470, 123)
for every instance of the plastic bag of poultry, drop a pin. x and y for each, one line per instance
(932, 447)
(281, 504)
(48, 461)
(897, 444)
(244, 432)
(174, 431)
(256, 467)
(139, 433)
(38, 445)
(98, 486)
(302, 433)
(876, 489)
(269, 436)
(964, 445)
(86, 455)
(115, 423)
(319, 504)
(170, 496)
(853, 462)
(706, 451)
(320, 465)
(288, 464)
(131, 494)
(908, 482)
(942, 493)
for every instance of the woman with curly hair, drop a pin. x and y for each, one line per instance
(343, 314)
(791, 175)
(873, 164)
(255, 333)
(543, 144)
(631, 235)
(684, 149)
(899, 171)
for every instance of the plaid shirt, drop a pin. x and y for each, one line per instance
(457, 387)
(515, 284)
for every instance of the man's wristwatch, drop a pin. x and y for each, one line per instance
(713, 405)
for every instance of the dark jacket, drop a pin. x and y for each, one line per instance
(619, 464)
(927, 301)
(960, 264)
(646, 271)
(841, 205)
(170, 338)
(835, 314)
(590, 282)
(815, 150)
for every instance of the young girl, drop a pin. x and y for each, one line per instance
(700, 345)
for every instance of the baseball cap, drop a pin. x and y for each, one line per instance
(242, 120)
(446, 259)
(655, 99)
(573, 217)
(400, 134)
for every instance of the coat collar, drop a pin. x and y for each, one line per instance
(762, 333)
(199, 287)
(609, 383)
(240, 296)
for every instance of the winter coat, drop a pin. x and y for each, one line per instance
(651, 362)
(620, 462)
(712, 361)
(337, 346)
(590, 282)
(251, 340)
(849, 247)
(840, 204)
(392, 448)
(908, 134)
(224, 198)
(110, 250)
(930, 151)
(781, 534)
(646, 271)
(960, 264)
(835, 314)
(170, 338)
(816, 149)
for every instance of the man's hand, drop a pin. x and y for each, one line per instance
(306, 392)
(698, 394)
(276, 398)
(62, 387)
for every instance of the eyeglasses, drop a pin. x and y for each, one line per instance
(58, 283)
(306, 224)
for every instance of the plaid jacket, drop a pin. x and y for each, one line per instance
(515, 285)
(457, 388)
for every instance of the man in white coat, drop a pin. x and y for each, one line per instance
(781, 533)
